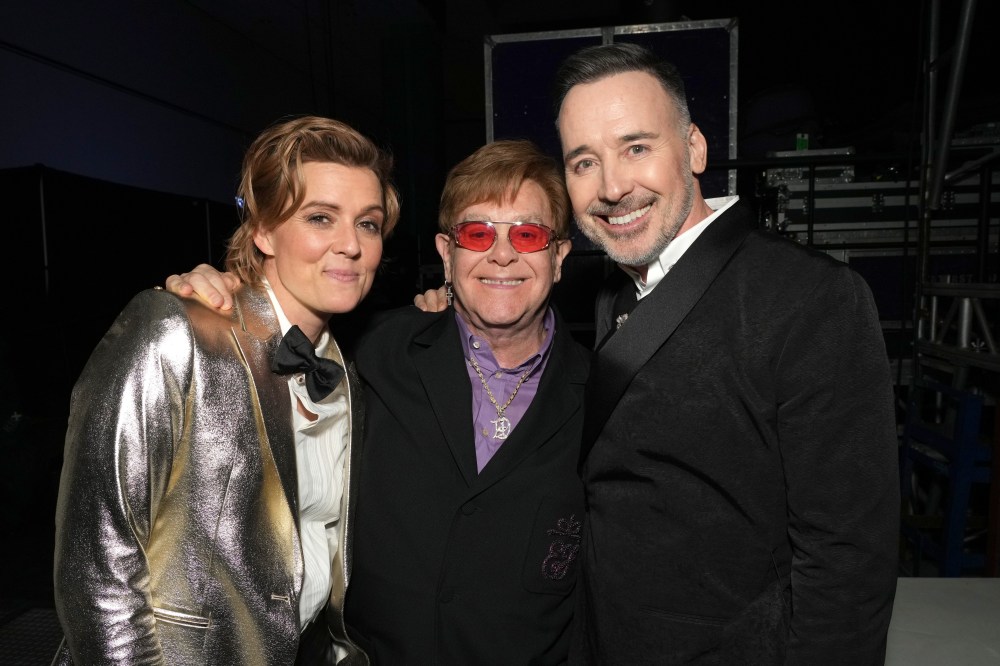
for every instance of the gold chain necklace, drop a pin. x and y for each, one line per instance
(501, 425)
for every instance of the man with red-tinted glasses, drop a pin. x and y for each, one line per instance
(470, 509)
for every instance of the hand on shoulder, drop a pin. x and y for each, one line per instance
(207, 283)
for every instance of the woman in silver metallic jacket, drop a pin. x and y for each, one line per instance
(206, 495)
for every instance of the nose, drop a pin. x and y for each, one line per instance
(616, 182)
(345, 241)
(502, 252)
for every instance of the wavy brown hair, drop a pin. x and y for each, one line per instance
(272, 186)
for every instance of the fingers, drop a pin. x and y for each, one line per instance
(177, 285)
(439, 300)
(230, 280)
(432, 300)
(206, 283)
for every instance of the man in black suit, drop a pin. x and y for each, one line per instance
(469, 506)
(739, 451)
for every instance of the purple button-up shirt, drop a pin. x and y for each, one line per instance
(501, 382)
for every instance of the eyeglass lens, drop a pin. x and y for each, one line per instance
(480, 236)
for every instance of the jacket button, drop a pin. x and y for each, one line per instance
(469, 509)
(447, 594)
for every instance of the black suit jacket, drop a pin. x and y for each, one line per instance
(740, 464)
(452, 566)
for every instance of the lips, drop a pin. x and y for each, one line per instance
(342, 276)
(618, 220)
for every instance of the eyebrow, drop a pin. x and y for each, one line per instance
(532, 217)
(337, 207)
(625, 138)
(576, 152)
(635, 136)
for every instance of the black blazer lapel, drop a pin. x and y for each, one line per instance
(655, 318)
(604, 315)
(438, 358)
(357, 427)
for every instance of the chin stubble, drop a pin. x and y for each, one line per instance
(664, 237)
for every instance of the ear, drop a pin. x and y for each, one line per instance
(562, 250)
(262, 239)
(697, 149)
(443, 244)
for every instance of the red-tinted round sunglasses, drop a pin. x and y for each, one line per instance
(524, 237)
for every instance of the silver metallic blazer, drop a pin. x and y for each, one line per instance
(177, 534)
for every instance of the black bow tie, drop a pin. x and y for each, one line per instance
(296, 354)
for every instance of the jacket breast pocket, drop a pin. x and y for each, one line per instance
(551, 563)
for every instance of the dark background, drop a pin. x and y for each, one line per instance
(122, 126)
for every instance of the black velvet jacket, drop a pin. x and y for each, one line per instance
(740, 464)
(453, 566)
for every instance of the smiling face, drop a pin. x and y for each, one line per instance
(629, 166)
(322, 259)
(500, 292)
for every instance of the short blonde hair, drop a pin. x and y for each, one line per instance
(495, 173)
(272, 186)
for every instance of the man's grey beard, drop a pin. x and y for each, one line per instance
(665, 237)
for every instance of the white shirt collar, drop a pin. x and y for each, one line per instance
(324, 338)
